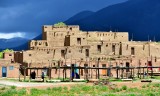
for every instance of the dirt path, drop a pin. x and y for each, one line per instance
(36, 85)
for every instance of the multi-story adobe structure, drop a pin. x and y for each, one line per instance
(70, 45)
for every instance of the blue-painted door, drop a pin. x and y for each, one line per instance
(4, 71)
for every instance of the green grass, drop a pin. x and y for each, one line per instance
(152, 89)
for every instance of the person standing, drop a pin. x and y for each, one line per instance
(42, 76)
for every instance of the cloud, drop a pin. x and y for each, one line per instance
(4, 35)
(29, 15)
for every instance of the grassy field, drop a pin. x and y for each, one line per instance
(151, 89)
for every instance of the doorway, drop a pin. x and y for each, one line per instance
(104, 72)
(127, 66)
(4, 71)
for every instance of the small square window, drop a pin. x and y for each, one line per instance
(11, 67)
(10, 54)
(30, 54)
(93, 65)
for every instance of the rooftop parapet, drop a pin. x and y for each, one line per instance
(52, 28)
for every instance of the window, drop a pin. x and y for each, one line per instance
(127, 65)
(79, 41)
(94, 66)
(10, 54)
(62, 53)
(48, 52)
(30, 54)
(11, 67)
(132, 51)
(87, 52)
(70, 29)
(113, 49)
(99, 48)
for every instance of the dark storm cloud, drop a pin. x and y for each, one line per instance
(27, 16)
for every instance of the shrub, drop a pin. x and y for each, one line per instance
(151, 94)
(13, 87)
(143, 86)
(3, 88)
(124, 87)
(156, 85)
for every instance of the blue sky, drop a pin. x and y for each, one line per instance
(24, 18)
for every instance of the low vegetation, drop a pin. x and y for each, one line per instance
(6, 50)
(84, 90)
(60, 24)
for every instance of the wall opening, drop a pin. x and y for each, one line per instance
(113, 49)
(120, 48)
(127, 65)
(87, 52)
(104, 71)
(132, 51)
(79, 41)
(62, 53)
(99, 48)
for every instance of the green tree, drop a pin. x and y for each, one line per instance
(60, 24)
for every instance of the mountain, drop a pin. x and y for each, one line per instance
(138, 17)
(16, 44)
(11, 43)
(79, 16)
(25, 45)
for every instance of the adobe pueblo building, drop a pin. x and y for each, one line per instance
(66, 45)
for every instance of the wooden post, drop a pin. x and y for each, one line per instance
(24, 74)
(37, 72)
(152, 73)
(98, 69)
(49, 69)
(63, 73)
(133, 73)
(30, 74)
(140, 73)
(143, 72)
(71, 73)
(19, 74)
(91, 69)
(117, 72)
(122, 72)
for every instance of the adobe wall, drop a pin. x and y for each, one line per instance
(11, 73)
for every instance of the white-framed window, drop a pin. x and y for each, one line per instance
(11, 67)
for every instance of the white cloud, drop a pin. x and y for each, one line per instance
(11, 35)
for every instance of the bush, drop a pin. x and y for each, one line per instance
(3, 88)
(13, 87)
(124, 87)
(143, 86)
(151, 94)
(156, 85)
